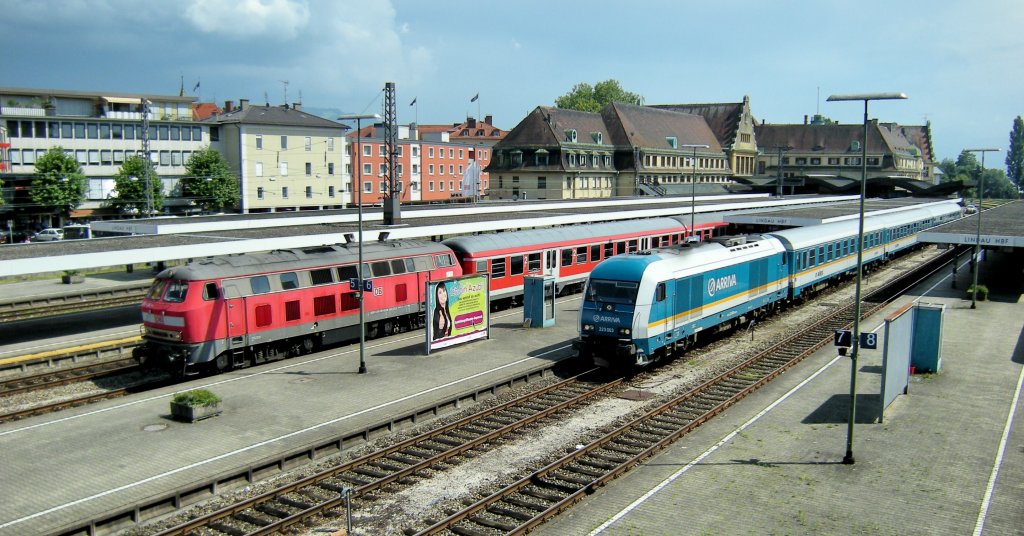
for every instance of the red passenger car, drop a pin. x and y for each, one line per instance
(239, 310)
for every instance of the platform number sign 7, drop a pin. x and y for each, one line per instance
(843, 337)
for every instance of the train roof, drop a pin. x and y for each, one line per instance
(509, 241)
(676, 260)
(298, 259)
(802, 237)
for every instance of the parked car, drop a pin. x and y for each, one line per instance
(48, 235)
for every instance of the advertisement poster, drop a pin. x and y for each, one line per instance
(457, 311)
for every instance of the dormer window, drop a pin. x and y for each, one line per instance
(854, 146)
(570, 135)
(598, 137)
(540, 158)
(517, 158)
(673, 142)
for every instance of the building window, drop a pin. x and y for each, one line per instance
(284, 192)
(309, 169)
(309, 192)
(175, 132)
(259, 192)
(383, 169)
(214, 134)
(259, 141)
(451, 153)
(330, 191)
(367, 187)
(367, 150)
(367, 169)
(308, 143)
(430, 186)
(330, 168)
(259, 169)
(383, 186)
(283, 169)
(451, 169)
(383, 150)
(284, 142)
(398, 169)
(430, 170)
(330, 144)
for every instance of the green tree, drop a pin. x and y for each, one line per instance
(59, 183)
(209, 182)
(130, 182)
(585, 98)
(1015, 156)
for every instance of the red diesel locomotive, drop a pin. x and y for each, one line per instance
(240, 310)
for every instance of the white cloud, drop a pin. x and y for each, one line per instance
(275, 19)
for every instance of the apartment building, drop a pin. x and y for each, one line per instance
(101, 130)
(429, 165)
(285, 159)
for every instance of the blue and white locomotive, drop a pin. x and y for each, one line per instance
(639, 308)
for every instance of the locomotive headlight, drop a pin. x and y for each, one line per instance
(625, 332)
(588, 327)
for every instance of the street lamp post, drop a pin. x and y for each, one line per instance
(855, 343)
(358, 118)
(693, 185)
(977, 239)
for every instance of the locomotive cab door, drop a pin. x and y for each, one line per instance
(236, 320)
(551, 262)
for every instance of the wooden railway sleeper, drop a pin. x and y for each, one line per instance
(543, 493)
(493, 522)
(581, 468)
(518, 500)
(500, 510)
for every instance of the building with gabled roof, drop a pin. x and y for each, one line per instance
(624, 149)
(733, 125)
(285, 159)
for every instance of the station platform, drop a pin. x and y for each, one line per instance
(947, 458)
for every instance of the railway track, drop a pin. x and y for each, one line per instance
(395, 466)
(60, 304)
(66, 376)
(536, 497)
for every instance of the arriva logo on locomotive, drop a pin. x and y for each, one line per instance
(612, 319)
(721, 283)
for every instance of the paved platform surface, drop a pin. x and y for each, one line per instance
(772, 464)
(72, 466)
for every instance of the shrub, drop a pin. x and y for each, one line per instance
(982, 292)
(196, 398)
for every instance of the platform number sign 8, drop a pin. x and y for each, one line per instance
(869, 340)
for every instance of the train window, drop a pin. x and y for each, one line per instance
(813, 260)
(260, 284)
(828, 252)
(566, 257)
(609, 250)
(410, 266)
(346, 273)
(631, 246)
(515, 265)
(611, 291)
(533, 263)
(289, 281)
(659, 292)
(323, 305)
(349, 302)
(581, 255)
(210, 291)
(655, 241)
(176, 291)
(157, 290)
(497, 268)
(321, 276)
(263, 316)
(401, 292)
(422, 264)
(291, 310)
(481, 267)
(444, 260)
(398, 266)
(620, 248)
(380, 269)
(804, 263)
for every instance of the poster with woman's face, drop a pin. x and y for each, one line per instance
(457, 311)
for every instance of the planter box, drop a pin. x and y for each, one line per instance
(69, 279)
(186, 413)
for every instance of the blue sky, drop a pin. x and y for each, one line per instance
(961, 63)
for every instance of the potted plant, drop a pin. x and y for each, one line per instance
(194, 405)
(982, 292)
(72, 276)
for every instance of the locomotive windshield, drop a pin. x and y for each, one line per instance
(156, 291)
(605, 291)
